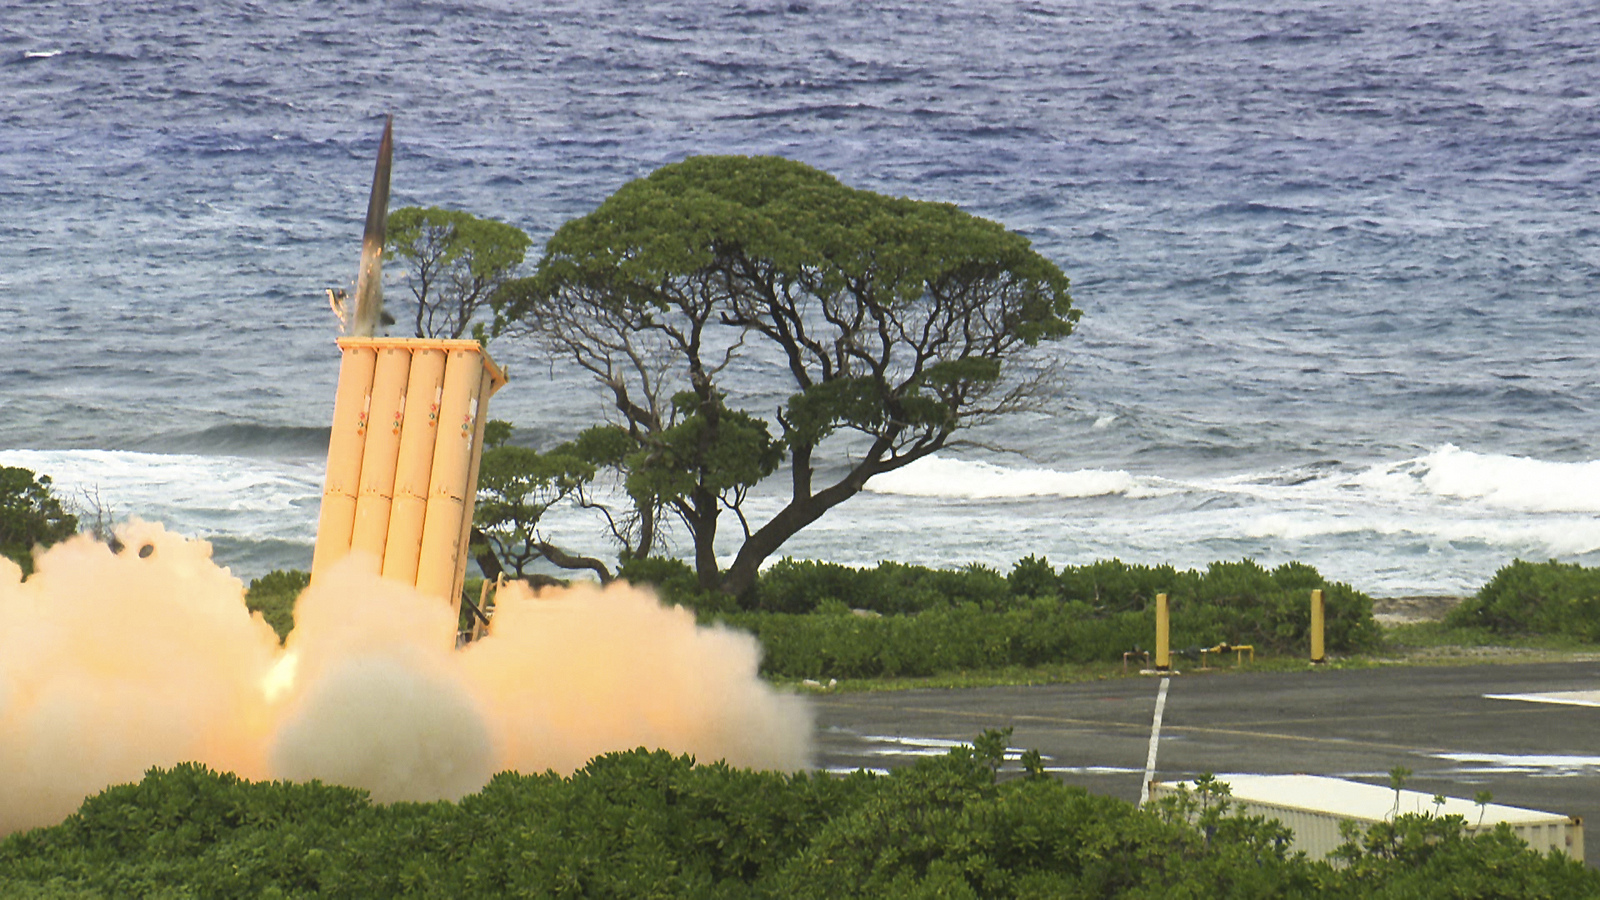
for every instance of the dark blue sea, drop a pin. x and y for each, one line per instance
(1338, 261)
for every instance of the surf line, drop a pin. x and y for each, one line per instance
(1155, 740)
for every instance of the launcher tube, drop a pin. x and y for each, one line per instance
(346, 440)
(414, 467)
(382, 449)
(464, 541)
(452, 466)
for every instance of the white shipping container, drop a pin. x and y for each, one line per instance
(1313, 806)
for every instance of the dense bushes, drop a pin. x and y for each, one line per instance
(647, 824)
(31, 515)
(1544, 598)
(822, 620)
(273, 595)
(951, 639)
(801, 586)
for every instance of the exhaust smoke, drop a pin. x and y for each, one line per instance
(114, 662)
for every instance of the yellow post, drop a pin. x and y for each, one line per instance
(1317, 654)
(382, 450)
(348, 437)
(415, 465)
(1163, 652)
(448, 500)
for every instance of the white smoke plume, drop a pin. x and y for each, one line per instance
(111, 663)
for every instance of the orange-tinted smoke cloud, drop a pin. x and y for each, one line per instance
(111, 663)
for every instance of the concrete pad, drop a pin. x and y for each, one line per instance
(1446, 724)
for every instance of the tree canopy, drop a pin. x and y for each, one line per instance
(457, 261)
(31, 515)
(890, 321)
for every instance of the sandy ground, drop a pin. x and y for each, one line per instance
(1410, 610)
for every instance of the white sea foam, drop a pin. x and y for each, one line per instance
(1440, 522)
(203, 496)
(1515, 483)
(937, 476)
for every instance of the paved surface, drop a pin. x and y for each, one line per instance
(1440, 723)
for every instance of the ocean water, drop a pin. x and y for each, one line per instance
(1337, 260)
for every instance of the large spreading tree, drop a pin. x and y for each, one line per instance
(892, 323)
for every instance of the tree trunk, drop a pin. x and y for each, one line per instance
(800, 512)
(487, 561)
(703, 525)
(647, 531)
(804, 508)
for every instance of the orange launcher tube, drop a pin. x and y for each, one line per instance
(403, 458)
(414, 467)
(378, 458)
(449, 497)
(485, 390)
(346, 441)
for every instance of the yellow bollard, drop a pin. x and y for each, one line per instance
(1317, 655)
(378, 458)
(1163, 652)
(414, 469)
(348, 438)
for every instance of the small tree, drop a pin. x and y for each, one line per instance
(30, 515)
(892, 322)
(457, 261)
(517, 486)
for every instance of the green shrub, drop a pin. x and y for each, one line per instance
(1543, 598)
(1033, 576)
(891, 588)
(1115, 586)
(273, 595)
(940, 621)
(952, 639)
(675, 583)
(31, 515)
(650, 824)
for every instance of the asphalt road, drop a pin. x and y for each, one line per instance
(1441, 723)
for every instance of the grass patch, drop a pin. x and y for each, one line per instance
(1424, 643)
(1061, 673)
(1418, 644)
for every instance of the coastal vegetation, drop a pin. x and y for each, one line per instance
(455, 262)
(1549, 598)
(644, 823)
(820, 620)
(649, 824)
(31, 515)
(893, 324)
(273, 596)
